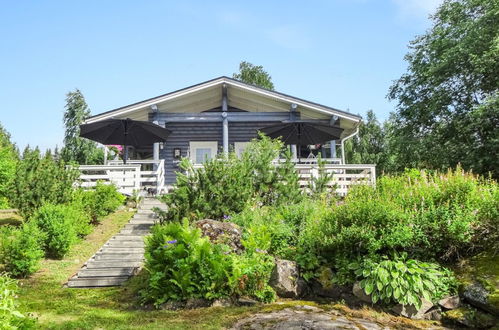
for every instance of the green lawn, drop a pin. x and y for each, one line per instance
(57, 307)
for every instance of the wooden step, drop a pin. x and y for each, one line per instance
(106, 272)
(119, 256)
(97, 282)
(126, 237)
(124, 244)
(130, 250)
(98, 264)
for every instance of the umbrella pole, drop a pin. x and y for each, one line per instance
(125, 157)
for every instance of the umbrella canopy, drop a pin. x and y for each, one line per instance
(125, 132)
(302, 132)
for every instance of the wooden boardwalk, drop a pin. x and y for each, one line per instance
(122, 256)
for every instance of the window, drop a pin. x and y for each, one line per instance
(239, 147)
(200, 151)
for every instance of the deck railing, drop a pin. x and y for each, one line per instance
(134, 176)
(342, 176)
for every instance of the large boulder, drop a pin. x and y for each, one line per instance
(285, 279)
(477, 295)
(222, 233)
(411, 311)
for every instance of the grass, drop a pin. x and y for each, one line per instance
(57, 307)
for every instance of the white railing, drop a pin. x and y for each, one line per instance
(134, 176)
(343, 176)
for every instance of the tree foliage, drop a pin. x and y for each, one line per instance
(371, 146)
(254, 75)
(8, 159)
(447, 101)
(77, 149)
(39, 180)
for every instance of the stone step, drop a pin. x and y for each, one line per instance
(119, 256)
(112, 249)
(97, 282)
(145, 216)
(124, 244)
(106, 272)
(98, 264)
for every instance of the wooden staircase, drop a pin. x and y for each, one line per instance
(122, 256)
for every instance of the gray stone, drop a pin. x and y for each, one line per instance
(451, 302)
(284, 279)
(243, 301)
(222, 303)
(222, 233)
(434, 314)
(359, 293)
(411, 311)
(197, 303)
(173, 305)
(478, 296)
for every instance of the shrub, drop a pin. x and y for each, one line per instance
(182, 264)
(20, 251)
(10, 317)
(404, 281)
(61, 225)
(227, 184)
(99, 202)
(39, 180)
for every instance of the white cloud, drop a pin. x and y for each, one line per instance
(416, 8)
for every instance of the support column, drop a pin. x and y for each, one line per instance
(293, 117)
(105, 154)
(332, 144)
(225, 123)
(155, 146)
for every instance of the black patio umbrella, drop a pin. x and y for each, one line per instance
(302, 132)
(126, 132)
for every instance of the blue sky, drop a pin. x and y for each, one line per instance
(341, 53)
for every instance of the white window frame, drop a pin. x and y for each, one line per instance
(238, 146)
(194, 145)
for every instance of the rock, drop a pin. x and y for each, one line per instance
(222, 303)
(173, 305)
(469, 317)
(244, 301)
(359, 293)
(411, 311)
(434, 314)
(478, 296)
(451, 302)
(284, 279)
(192, 303)
(222, 233)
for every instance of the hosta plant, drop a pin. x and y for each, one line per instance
(403, 281)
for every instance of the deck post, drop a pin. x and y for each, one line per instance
(155, 146)
(292, 117)
(225, 120)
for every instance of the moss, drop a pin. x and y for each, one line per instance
(470, 317)
(483, 268)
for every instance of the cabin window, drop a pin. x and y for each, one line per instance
(200, 151)
(239, 147)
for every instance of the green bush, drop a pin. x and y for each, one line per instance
(39, 180)
(8, 161)
(227, 184)
(430, 216)
(99, 202)
(404, 281)
(182, 264)
(10, 316)
(61, 225)
(20, 251)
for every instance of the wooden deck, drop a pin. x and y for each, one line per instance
(122, 256)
